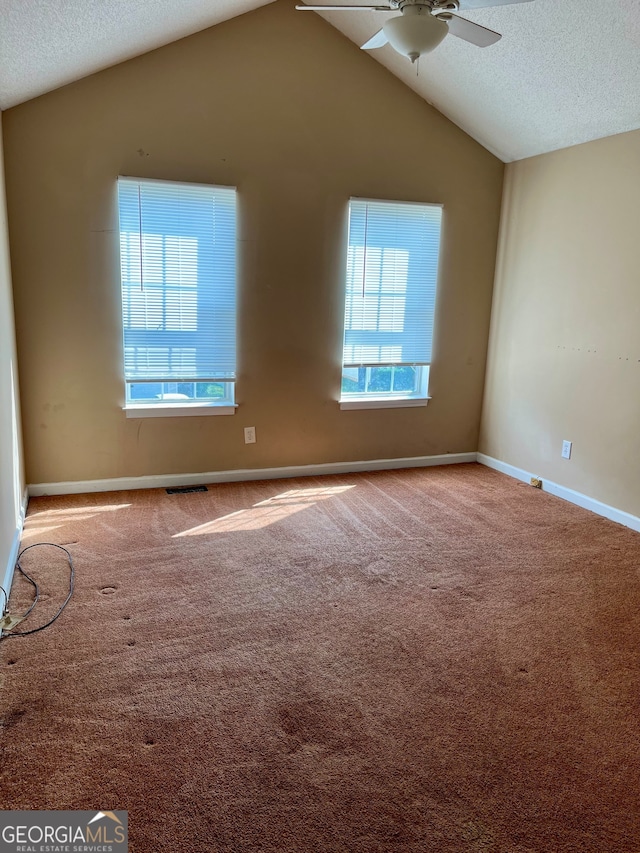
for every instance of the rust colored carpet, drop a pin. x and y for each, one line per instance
(425, 661)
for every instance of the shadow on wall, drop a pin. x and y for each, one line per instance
(15, 443)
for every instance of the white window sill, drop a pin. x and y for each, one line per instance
(179, 410)
(383, 402)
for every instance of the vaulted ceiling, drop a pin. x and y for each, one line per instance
(565, 71)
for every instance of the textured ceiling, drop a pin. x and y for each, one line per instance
(47, 43)
(565, 71)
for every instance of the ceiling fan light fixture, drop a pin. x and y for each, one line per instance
(415, 32)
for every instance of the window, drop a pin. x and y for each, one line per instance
(178, 270)
(392, 271)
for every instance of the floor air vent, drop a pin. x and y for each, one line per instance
(186, 490)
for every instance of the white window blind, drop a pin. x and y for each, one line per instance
(392, 271)
(178, 267)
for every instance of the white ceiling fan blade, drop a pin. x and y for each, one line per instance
(471, 32)
(484, 4)
(344, 8)
(378, 40)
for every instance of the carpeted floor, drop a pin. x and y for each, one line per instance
(425, 661)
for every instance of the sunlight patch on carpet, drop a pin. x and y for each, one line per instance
(41, 522)
(266, 512)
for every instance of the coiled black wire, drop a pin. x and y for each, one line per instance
(72, 572)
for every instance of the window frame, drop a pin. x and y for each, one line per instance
(386, 399)
(389, 399)
(160, 232)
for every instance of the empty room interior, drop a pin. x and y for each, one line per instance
(320, 424)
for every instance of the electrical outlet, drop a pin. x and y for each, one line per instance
(249, 435)
(566, 449)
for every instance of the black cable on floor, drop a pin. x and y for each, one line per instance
(6, 636)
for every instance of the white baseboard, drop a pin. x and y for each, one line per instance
(563, 492)
(497, 465)
(7, 578)
(163, 481)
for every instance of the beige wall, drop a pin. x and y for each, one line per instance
(11, 472)
(281, 105)
(565, 340)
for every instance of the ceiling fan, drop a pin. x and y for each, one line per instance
(423, 24)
